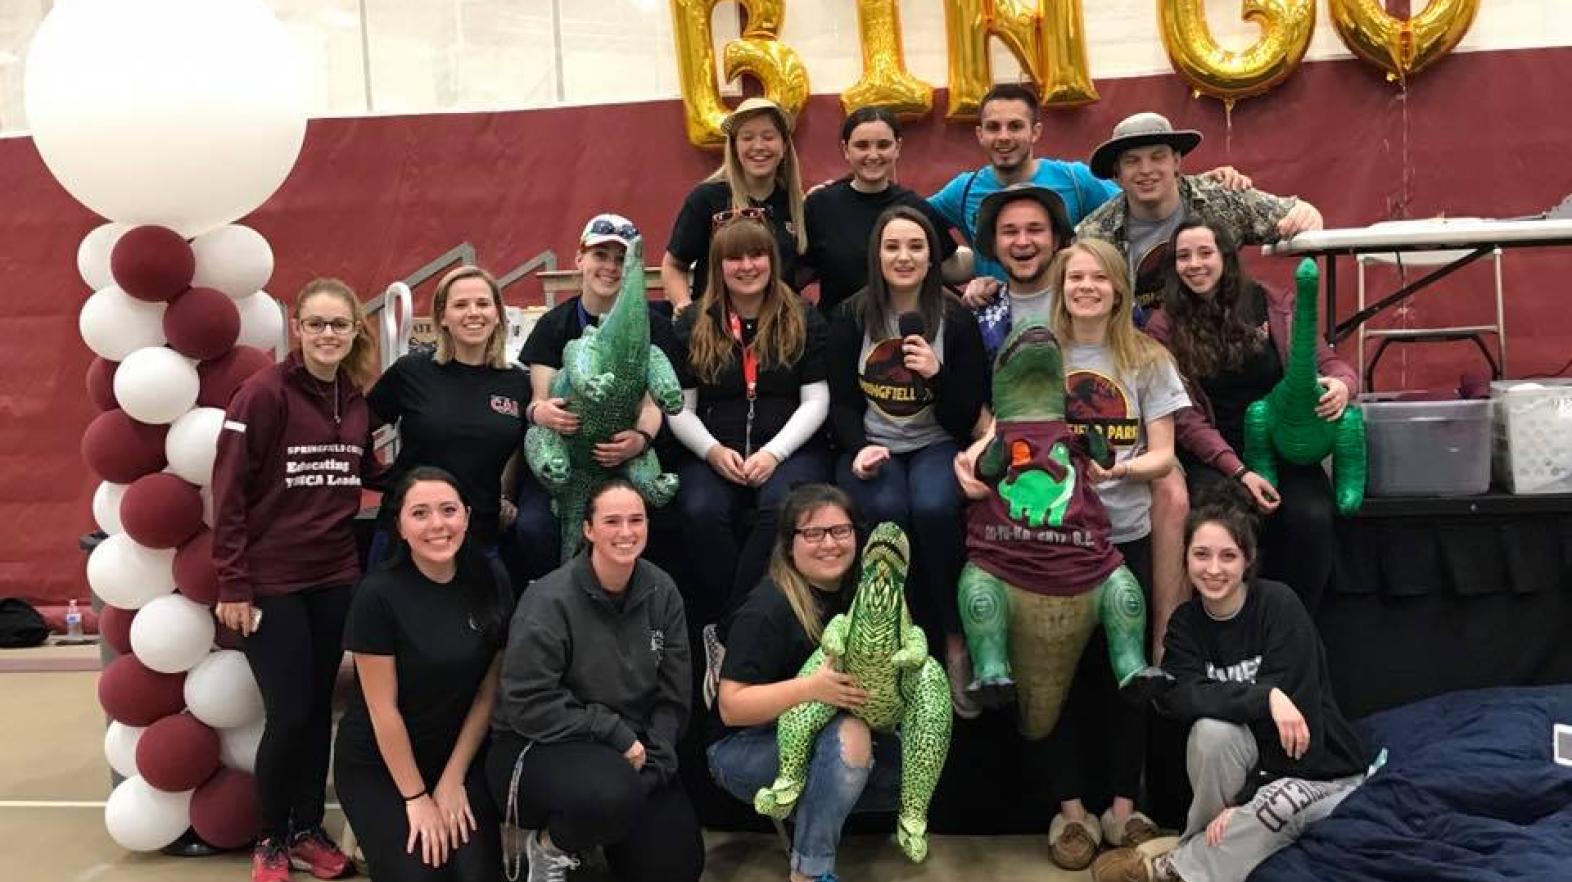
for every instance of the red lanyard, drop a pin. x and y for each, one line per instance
(750, 358)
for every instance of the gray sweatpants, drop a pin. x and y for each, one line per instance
(1219, 757)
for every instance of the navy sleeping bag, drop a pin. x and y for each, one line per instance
(1469, 794)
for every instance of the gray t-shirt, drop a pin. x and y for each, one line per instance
(1036, 306)
(900, 403)
(1146, 252)
(1121, 405)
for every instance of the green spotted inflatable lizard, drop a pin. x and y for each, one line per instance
(876, 642)
(605, 374)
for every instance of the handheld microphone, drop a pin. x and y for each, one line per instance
(910, 323)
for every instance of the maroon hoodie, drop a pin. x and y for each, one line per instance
(287, 481)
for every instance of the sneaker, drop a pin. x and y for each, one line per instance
(1133, 830)
(714, 656)
(959, 669)
(269, 861)
(1074, 844)
(313, 850)
(547, 863)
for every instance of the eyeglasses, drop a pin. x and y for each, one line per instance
(601, 226)
(757, 213)
(339, 326)
(817, 534)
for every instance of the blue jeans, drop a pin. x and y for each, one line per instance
(535, 535)
(745, 761)
(918, 491)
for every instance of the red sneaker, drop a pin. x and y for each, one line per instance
(269, 862)
(313, 850)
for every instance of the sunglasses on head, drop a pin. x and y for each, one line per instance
(752, 212)
(604, 227)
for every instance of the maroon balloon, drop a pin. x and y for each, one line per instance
(120, 449)
(202, 323)
(152, 263)
(101, 383)
(223, 375)
(114, 626)
(161, 510)
(136, 695)
(224, 809)
(195, 576)
(177, 753)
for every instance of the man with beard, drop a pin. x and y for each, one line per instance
(1020, 228)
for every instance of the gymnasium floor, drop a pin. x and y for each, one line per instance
(53, 781)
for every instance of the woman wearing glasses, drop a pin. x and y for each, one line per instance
(760, 173)
(768, 639)
(295, 447)
(753, 378)
(460, 408)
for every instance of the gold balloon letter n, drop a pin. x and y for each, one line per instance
(757, 53)
(1286, 27)
(1050, 46)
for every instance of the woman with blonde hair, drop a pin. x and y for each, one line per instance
(758, 176)
(460, 408)
(292, 458)
(753, 373)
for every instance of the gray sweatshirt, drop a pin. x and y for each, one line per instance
(583, 666)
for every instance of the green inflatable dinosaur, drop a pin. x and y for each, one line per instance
(876, 642)
(605, 374)
(1285, 423)
(1041, 573)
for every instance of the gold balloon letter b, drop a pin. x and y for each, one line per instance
(1286, 27)
(1402, 47)
(758, 53)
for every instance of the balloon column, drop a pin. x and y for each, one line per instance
(171, 118)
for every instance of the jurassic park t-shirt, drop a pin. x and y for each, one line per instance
(1043, 529)
(900, 402)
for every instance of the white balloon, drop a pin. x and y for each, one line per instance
(207, 506)
(140, 817)
(114, 324)
(221, 692)
(171, 634)
(232, 259)
(185, 113)
(128, 575)
(92, 256)
(261, 322)
(120, 747)
(237, 747)
(106, 506)
(192, 443)
(156, 385)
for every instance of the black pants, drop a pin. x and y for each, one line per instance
(587, 794)
(1297, 539)
(294, 656)
(376, 813)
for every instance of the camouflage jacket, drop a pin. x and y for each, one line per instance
(1250, 216)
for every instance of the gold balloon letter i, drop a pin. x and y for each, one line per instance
(1402, 46)
(1286, 27)
(1050, 46)
(885, 80)
(758, 53)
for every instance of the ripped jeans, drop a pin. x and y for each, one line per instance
(747, 760)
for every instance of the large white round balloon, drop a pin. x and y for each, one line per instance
(114, 324)
(192, 443)
(261, 322)
(232, 259)
(156, 385)
(140, 817)
(120, 747)
(92, 256)
(184, 113)
(221, 692)
(207, 506)
(237, 747)
(128, 575)
(106, 506)
(171, 634)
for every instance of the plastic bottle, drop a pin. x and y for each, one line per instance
(73, 623)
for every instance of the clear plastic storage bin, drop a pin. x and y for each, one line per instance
(1533, 435)
(1426, 448)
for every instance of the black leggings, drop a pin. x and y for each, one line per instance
(294, 656)
(1297, 541)
(376, 813)
(586, 794)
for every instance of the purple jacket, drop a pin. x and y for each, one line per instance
(1194, 426)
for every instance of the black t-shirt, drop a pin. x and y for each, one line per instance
(690, 235)
(840, 220)
(723, 404)
(1232, 391)
(765, 643)
(567, 320)
(442, 639)
(465, 419)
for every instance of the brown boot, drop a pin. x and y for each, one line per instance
(1147, 862)
(1074, 844)
(1134, 830)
